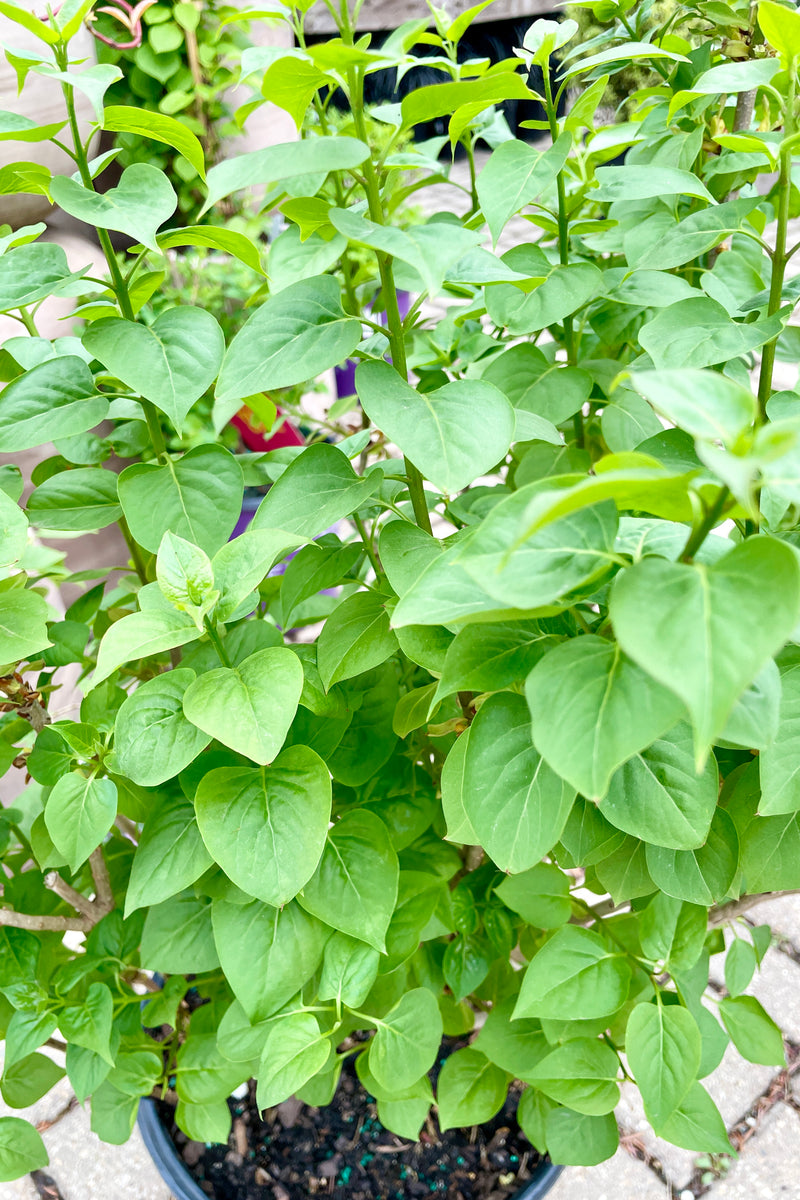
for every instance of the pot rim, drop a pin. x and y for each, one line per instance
(175, 1174)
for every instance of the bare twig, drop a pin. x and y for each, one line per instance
(65, 892)
(102, 882)
(734, 908)
(40, 923)
(129, 828)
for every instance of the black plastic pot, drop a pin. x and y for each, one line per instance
(183, 1187)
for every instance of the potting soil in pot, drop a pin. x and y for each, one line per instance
(343, 1151)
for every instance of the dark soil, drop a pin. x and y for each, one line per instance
(344, 1152)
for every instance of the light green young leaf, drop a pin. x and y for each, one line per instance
(140, 635)
(159, 128)
(697, 1124)
(781, 27)
(241, 564)
(250, 707)
(294, 1051)
(21, 1147)
(313, 156)
(349, 969)
(266, 826)
(88, 1024)
(185, 576)
(703, 403)
(470, 1090)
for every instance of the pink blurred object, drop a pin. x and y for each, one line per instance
(253, 436)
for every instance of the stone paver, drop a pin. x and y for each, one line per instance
(87, 1169)
(621, 1178)
(769, 1166)
(783, 915)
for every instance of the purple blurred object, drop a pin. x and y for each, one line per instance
(346, 374)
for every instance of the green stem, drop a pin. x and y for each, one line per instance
(28, 322)
(136, 553)
(216, 642)
(563, 244)
(367, 542)
(393, 319)
(118, 280)
(779, 257)
(711, 519)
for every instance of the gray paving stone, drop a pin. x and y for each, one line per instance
(734, 1086)
(20, 1189)
(783, 915)
(87, 1169)
(621, 1178)
(769, 1166)
(776, 985)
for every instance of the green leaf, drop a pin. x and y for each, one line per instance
(26, 1031)
(204, 1075)
(562, 292)
(406, 1041)
(452, 435)
(459, 828)
(27, 1081)
(171, 362)
(535, 385)
(266, 826)
(22, 624)
(405, 1117)
(697, 1124)
(267, 954)
(294, 1051)
(185, 577)
(355, 638)
(170, 855)
(81, 501)
(153, 740)
(581, 1074)
(141, 202)
(315, 491)
(349, 969)
(45, 33)
(658, 795)
(574, 1139)
(515, 803)
(178, 938)
(779, 765)
(699, 333)
(244, 562)
(197, 497)
(354, 888)
(314, 569)
(640, 183)
(470, 1090)
(693, 236)
(753, 1032)
(781, 28)
(293, 337)
(88, 1024)
(488, 658)
(204, 1122)
(574, 972)
(442, 99)
(21, 1147)
(250, 707)
(673, 932)
(740, 965)
(79, 813)
(216, 238)
(662, 1044)
(705, 632)
(754, 722)
(93, 81)
(139, 635)
(29, 273)
(56, 399)
(516, 174)
(518, 1046)
(314, 156)
(701, 876)
(704, 403)
(593, 709)
(157, 127)
(540, 896)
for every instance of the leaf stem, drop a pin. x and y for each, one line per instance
(136, 553)
(712, 518)
(780, 257)
(367, 542)
(216, 642)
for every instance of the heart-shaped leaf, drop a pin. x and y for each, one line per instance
(452, 435)
(705, 632)
(141, 202)
(250, 707)
(56, 399)
(171, 362)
